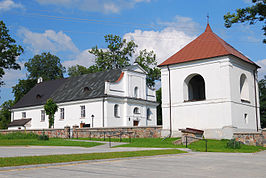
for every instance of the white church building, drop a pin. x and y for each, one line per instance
(211, 86)
(114, 98)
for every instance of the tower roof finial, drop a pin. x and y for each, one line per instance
(208, 18)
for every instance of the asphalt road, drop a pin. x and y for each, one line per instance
(193, 164)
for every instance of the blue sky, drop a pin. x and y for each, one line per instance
(68, 28)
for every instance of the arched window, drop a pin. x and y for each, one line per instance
(149, 114)
(194, 88)
(136, 110)
(136, 92)
(116, 110)
(244, 89)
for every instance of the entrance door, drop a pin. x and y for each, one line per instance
(135, 123)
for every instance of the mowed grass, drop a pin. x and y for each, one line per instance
(30, 160)
(50, 142)
(220, 146)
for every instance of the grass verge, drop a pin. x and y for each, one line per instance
(50, 142)
(30, 160)
(220, 146)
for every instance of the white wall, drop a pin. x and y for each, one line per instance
(219, 109)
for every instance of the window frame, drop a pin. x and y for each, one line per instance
(62, 113)
(136, 92)
(116, 111)
(42, 115)
(23, 115)
(136, 110)
(82, 111)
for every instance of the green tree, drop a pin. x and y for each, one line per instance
(147, 60)
(262, 89)
(119, 53)
(5, 114)
(9, 51)
(23, 87)
(80, 70)
(252, 14)
(50, 108)
(46, 65)
(159, 107)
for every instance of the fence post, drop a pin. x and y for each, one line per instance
(186, 141)
(110, 142)
(103, 136)
(120, 136)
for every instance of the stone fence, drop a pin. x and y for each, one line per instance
(255, 139)
(114, 132)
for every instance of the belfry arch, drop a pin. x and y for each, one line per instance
(194, 88)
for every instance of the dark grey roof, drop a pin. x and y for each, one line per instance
(19, 122)
(69, 89)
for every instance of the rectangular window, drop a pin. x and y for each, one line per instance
(23, 115)
(62, 113)
(82, 108)
(42, 115)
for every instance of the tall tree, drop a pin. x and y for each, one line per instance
(119, 53)
(23, 87)
(159, 107)
(5, 114)
(80, 70)
(50, 108)
(147, 60)
(262, 89)
(9, 51)
(252, 14)
(46, 65)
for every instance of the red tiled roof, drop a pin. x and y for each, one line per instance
(207, 45)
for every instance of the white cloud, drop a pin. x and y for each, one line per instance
(84, 58)
(6, 5)
(47, 41)
(167, 41)
(262, 70)
(105, 6)
(11, 76)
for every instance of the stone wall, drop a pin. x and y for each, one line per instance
(123, 132)
(117, 132)
(255, 139)
(52, 133)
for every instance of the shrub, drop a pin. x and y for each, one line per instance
(43, 137)
(233, 144)
(19, 135)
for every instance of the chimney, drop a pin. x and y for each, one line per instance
(39, 80)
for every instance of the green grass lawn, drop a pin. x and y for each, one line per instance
(29, 160)
(50, 142)
(220, 146)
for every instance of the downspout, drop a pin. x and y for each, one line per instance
(256, 110)
(170, 102)
(103, 111)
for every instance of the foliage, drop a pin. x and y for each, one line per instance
(159, 107)
(116, 56)
(80, 70)
(50, 108)
(147, 60)
(23, 87)
(46, 65)
(233, 144)
(27, 160)
(262, 89)
(43, 137)
(18, 135)
(9, 51)
(5, 114)
(252, 14)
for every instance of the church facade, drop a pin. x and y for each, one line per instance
(114, 98)
(211, 86)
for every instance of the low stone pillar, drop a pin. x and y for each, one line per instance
(67, 131)
(75, 131)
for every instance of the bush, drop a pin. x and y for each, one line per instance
(233, 144)
(43, 137)
(19, 135)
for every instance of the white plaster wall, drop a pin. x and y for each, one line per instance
(222, 107)
(113, 121)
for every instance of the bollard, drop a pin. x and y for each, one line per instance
(129, 138)
(110, 142)
(186, 141)
(103, 136)
(120, 136)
